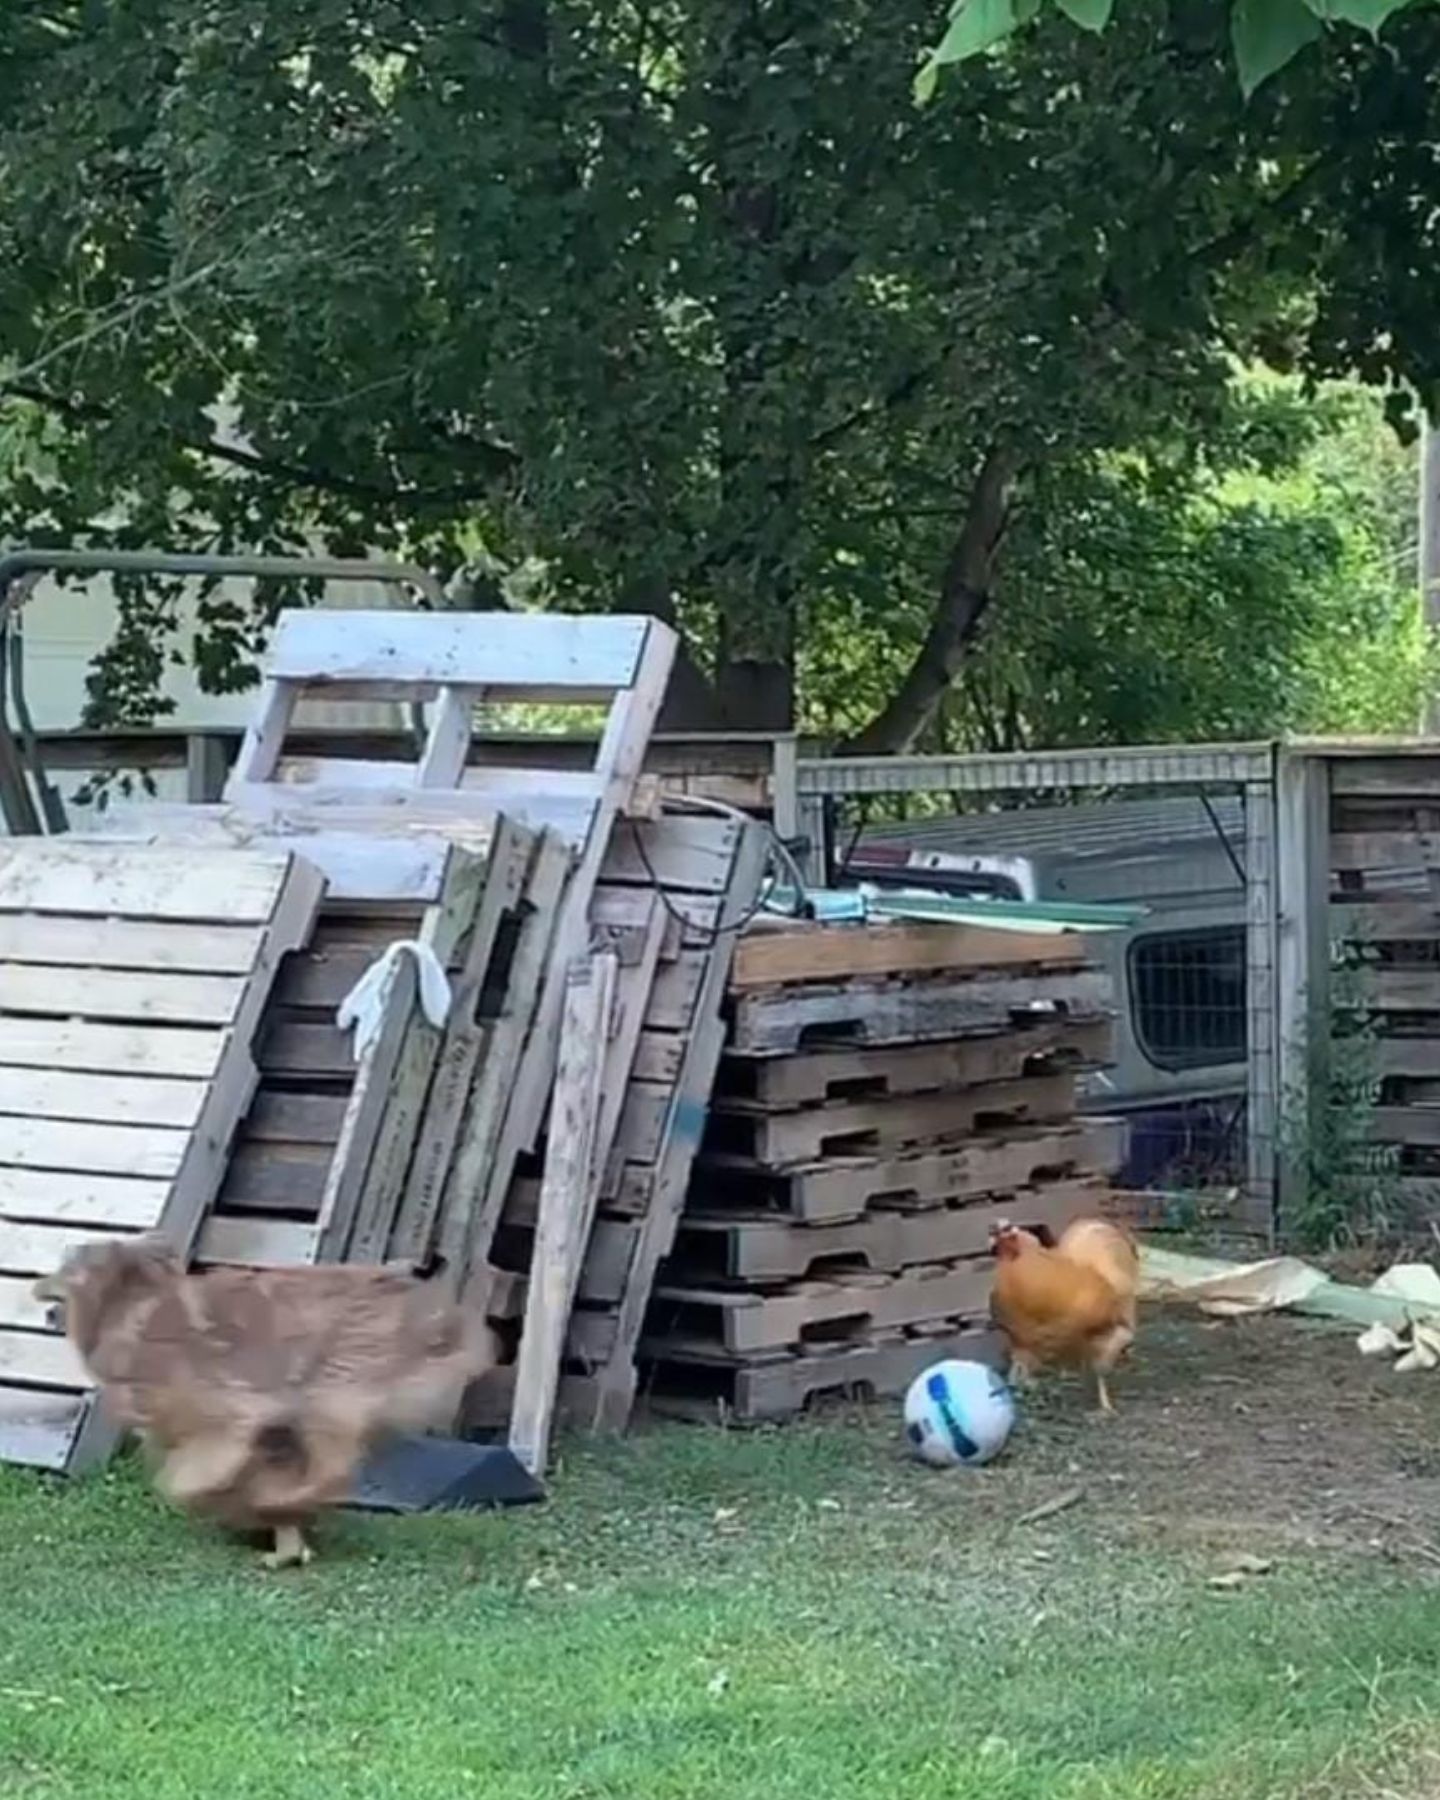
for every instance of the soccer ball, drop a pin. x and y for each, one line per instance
(958, 1413)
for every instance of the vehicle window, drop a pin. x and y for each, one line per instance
(1187, 996)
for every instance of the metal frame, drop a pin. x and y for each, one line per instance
(804, 785)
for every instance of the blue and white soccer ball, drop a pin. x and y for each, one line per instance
(958, 1414)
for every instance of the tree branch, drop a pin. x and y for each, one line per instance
(288, 474)
(965, 591)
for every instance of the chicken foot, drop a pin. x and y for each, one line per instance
(290, 1552)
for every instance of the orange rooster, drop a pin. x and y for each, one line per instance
(1069, 1304)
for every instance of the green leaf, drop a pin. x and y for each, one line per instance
(975, 25)
(1094, 15)
(926, 77)
(1266, 34)
(1369, 15)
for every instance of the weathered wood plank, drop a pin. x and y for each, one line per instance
(489, 968)
(120, 994)
(286, 1179)
(19, 1307)
(741, 1324)
(38, 1426)
(128, 944)
(585, 655)
(119, 1202)
(680, 854)
(257, 1243)
(847, 1188)
(759, 1249)
(815, 1076)
(148, 1150)
(65, 876)
(36, 1250)
(123, 1099)
(40, 1359)
(1361, 850)
(856, 1128)
(474, 1193)
(568, 1194)
(774, 1021)
(278, 1118)
(125, 1049)
(773, 954)
(749, 1393)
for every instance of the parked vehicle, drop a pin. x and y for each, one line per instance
(1180, 975)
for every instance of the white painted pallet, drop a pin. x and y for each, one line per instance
(386, 833)
(132, 981)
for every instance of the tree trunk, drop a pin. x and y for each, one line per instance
(965, 591)
(756, 694)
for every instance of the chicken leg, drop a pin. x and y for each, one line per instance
(1103, 1391)
(291, 1551)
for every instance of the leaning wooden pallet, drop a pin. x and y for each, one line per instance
(709, 871)
(426, 1132)
(133, 984)
(837, 1231)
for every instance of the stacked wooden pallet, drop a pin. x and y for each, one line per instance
(887, 1093)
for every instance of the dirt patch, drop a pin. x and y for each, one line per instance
(1263, 1432)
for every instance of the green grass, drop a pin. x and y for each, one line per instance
(700, 1616)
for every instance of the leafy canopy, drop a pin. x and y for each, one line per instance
(1265, 34)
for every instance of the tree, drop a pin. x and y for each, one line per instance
(672, 305)
(1130, 580)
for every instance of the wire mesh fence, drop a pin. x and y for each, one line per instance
(1186, 838)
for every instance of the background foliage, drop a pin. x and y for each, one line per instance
(923, 425)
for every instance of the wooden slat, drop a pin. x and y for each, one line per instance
(153, 883)
(1389, 777)
(376, 858)
(125, 1049)
(261, 1180)
(119, 1202)
(1400, 990)
(257, 1243)
(1384, 850)
(18, 1305)
(484, 1150)
(1405, 1056)
(40, 1359)
(128, 944)
(1382, 921)
(148, 1150)
(380, 810)
(121, 1099)
(472, 907)
(679, 854)
(295, 1118)
(39, 1426)
(120, 994)
(40, 1249)
(450, 1071)
(1404, 1124)
(769, 955)
(493, 650)
(568, 1194)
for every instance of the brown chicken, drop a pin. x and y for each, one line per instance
(257, 1393)
(1070, 1304)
